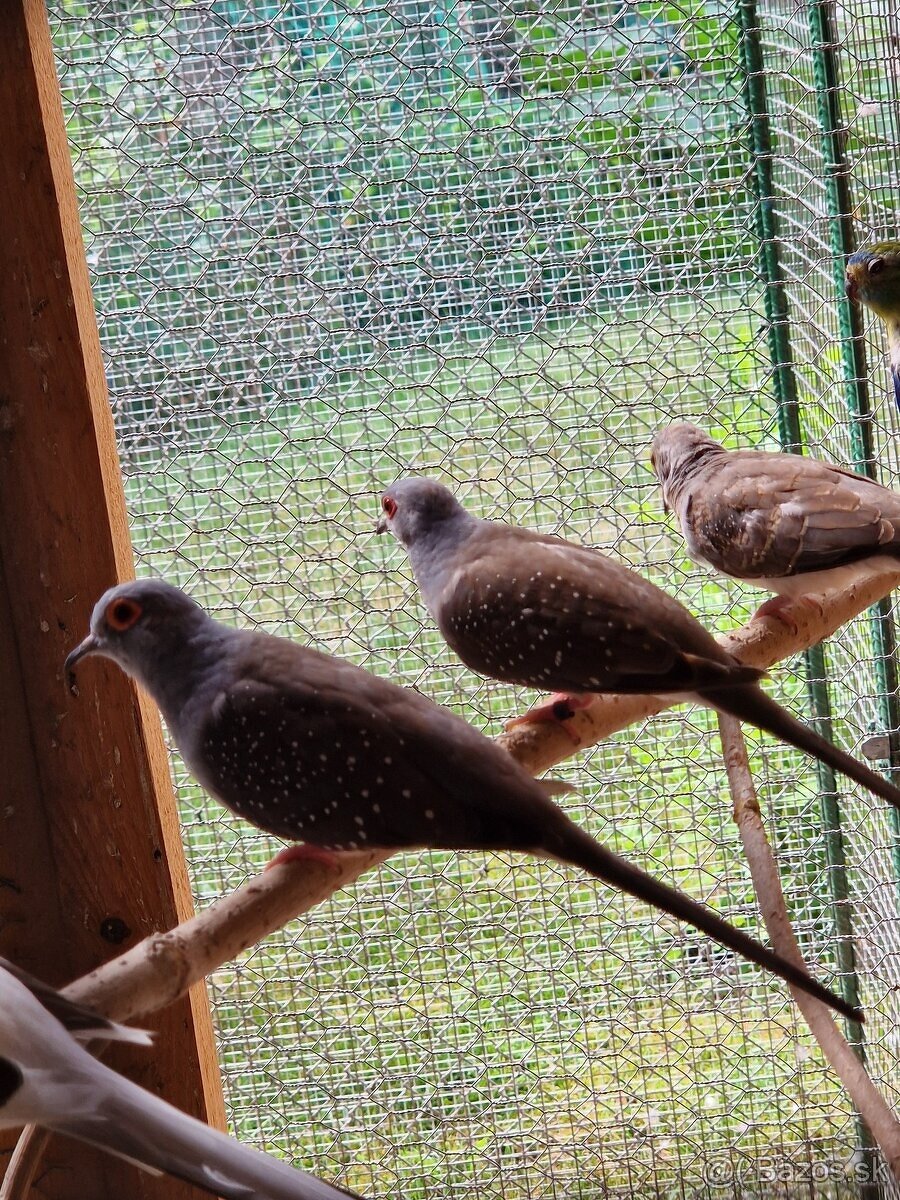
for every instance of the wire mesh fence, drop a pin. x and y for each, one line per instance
(333, 241)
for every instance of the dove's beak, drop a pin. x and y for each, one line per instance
(90, 645)
(852, 289)
(381, 525)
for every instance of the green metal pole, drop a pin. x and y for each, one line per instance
(784, 380)
(790, 431)
(837, 183)
(785, 385)
(853, 356)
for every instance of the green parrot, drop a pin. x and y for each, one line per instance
(873, 278)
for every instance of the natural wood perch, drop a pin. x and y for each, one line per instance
(162, 967)
(760, 643)
(869, 1102)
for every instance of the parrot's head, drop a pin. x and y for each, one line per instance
(675, 454)
(873, 278)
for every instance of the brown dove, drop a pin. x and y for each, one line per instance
(783, 522)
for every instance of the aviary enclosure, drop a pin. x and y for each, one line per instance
(333, 241)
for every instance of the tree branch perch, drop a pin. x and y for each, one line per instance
(760, 643)
(869, 1102)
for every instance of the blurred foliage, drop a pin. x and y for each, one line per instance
(470, 172)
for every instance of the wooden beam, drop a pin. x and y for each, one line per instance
(91, 856)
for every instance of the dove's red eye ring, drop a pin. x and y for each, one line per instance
(389, 506)
(122, 614)
(876, 266)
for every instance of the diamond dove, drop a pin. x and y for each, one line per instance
(313, 748)
(541, 612)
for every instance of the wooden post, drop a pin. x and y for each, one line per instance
(90, 849)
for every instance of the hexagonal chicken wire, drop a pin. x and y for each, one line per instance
(334, 240)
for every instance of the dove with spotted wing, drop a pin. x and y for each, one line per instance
(535, 610)
(313, 748)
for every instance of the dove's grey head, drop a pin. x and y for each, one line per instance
(415, 509)
(142, 625)
(677, 452)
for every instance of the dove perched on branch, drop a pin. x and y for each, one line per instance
(786, 523)
(47, 1078)
(313, 748)
(545, 613)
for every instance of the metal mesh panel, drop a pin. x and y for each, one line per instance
(825, 383)
(334, 241)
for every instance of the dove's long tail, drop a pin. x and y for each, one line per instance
(131, 1122)
(752, 705)
(578, 848)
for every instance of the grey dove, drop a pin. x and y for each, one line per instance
(307, 746)
(47, 1078)
(783, 522)
(541, 612)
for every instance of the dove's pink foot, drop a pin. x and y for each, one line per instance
(784, 609)
(561, 707)
(304, 852)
